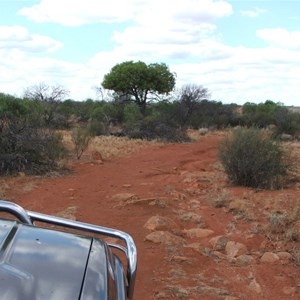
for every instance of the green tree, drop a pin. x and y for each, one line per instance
(261, 114)
(190, 96)
(49, 97)
(139, 82)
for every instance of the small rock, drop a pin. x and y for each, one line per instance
(197, 232)
(180, 259)
(255, 286)
(178, 291)
(284, 257)
(96, 155)
(234, 249)
(192, 217)
(203, 131)
(195, 246)
(124, 197)
(245, 259)
(156, 223)
(219, 242)
(126, 185)
(160, 295)
(289, 290)
(165, 237)
(219, 254)
(237, 205)
(269, 257)
(68, 213)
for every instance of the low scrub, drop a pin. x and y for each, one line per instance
(252, 158)
(27, 149)
(81, 138)
(157, 130)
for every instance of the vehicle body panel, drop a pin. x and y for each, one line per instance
(44, 263)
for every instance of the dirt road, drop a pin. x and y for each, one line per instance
(184, 188)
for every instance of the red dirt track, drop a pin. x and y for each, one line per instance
(169, 181)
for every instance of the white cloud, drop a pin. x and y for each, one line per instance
(243, 74)
(18, 37)
(173, 31)
(74, 13)
(253, 13)
(248, 74)
(280, 37)
(182, 34)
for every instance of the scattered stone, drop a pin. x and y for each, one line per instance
(296, 227)
(219, 254)
(289, 290)
(269, 257)
(68, 213)
(165, 237)
(126, 185)
(97, 157)
(209, 290)
(195, 246)
(123, 197)
(178, 291)
(285, 257)
(219, 242)
(197, 232)
(203, 131)
(158, 223)
(180, 259)
(192, 217)
(160, 295)
(245, 259)
(234, 249)
(255, 286)
(237, 205)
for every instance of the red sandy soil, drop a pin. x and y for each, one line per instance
(173, 181)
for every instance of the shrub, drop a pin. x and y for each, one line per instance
(150, 129)
(97, 128)
(251, 158)
(28, 149)
(287, 122)
(81, 138)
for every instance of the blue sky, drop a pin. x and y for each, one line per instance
(241, 50)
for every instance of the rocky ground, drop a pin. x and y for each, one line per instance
(197, 236)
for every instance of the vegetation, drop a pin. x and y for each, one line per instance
(251, 158)
(139, 82)
(135, 109)
(25, 145)
(81, 138)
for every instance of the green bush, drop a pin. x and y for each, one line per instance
(287, 122)
(97, 128)
(251, 158)
(81, 138)
(28, 149)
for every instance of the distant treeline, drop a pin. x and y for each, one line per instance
(187, 109)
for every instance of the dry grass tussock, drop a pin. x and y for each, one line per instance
(111, 146)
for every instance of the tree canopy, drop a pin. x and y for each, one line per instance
(140, 82)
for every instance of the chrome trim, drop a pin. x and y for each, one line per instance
(29, 217)
(16, 210)
(119, 247)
